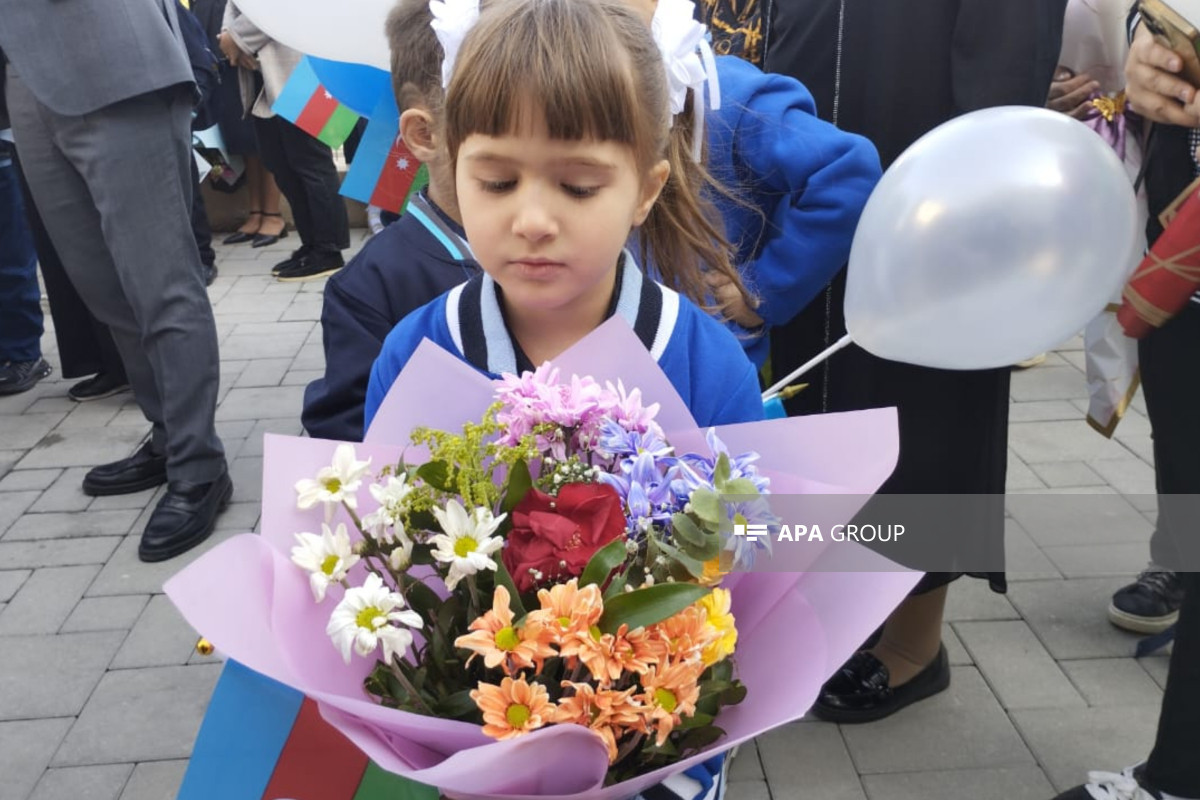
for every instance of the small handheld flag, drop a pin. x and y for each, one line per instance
(384, 171)
(310, 107)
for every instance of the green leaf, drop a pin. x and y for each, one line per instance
(734, 695)
(603, 562)
(649, 605)
(700, 738)
(721, 472)
(740, 486)
(696, 721)
(694, 566)
(423, 600)
(615, 586)
(514, 598)
(707, 550)
(706, 505)
(457, 706)
(519, 484)
(436, 474)
(683, 529)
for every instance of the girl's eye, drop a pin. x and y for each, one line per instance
(580, 192)
(497, 187)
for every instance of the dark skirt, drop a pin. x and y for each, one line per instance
(953, 424)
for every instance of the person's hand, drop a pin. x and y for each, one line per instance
(234, 54)
(1153, 86)
(1070, 92)
(731, 301)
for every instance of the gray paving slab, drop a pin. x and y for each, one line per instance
(52, 676)
(1129, 475)
(301, 377)
(1113, 682)
(826, 770)
(26, 430)
(1017, 666)
(155, 780)
(246, 474)
(57, 552)
(28, 747)
(134, 500)
(1095, 560)
(100, 782)
(1019, 476)
(93, 414)
(67, 525)
(114, 613)
(975, 600)
(140, 715)
(1048, 382)
(160, 638)
(46, 599)
(1039, 442)
(999, 783)
(934, 734)
(10, 581)
(263, 372)
(86, 448)
(1042, 411)
(1070, 742)
(955, 651)
(1157, 667)
(28, 479)
(123, 573)
(746, 765)
(256, 403)
(289, 426)
(1070, 617)
(1063, 518)
(13, 505)
(1067, 474)
(65, 494)
(1024, 560)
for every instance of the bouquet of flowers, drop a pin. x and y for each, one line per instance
(554, 563)
(541, 602)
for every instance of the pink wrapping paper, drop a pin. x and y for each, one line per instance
(795, 629)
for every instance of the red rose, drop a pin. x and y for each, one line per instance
(558, 535)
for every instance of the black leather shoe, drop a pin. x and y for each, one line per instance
(184, 517)
(266, 239)
(145, 469)
(859, 691)
(295, 258)
(102, 384)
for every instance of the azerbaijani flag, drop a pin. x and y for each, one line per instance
(384, 171)
(310, 107)
(261, 740)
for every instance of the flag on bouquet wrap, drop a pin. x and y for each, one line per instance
(384, 171)
(261, 740)
(312, 108)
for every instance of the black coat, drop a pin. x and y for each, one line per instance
(907, 67)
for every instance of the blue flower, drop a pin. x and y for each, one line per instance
(645, 491)
(698, 470)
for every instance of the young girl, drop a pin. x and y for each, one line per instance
(558, 124)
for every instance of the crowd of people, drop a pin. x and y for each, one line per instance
(547, 212)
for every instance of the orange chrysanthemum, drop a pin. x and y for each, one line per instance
(614, 655)
(499, 642)
(607, 712)
(513, 708)
(670, 691)
(683, 636)
(567, 609)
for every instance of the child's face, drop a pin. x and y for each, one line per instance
(547, 218)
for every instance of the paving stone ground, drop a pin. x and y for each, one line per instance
(101, 692)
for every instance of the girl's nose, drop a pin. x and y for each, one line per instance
(534, 220)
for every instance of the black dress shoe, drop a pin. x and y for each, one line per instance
(237, 237)
(297, 255)
(102, 384)
(145, 469)
(265, 239)
(859, 691)
(184, 517)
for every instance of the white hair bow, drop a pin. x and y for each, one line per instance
(452, 20)
(688, 59)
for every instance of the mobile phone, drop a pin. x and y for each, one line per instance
(1174, 31)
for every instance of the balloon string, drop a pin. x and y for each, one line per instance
(773, 392)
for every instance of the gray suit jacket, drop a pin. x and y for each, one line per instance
(77, 56)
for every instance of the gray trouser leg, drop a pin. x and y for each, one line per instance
(114, 189)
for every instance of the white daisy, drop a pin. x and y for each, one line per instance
(466, 542)
(334, 484)
(400, 558)
(327, 557)
(370, 615)
(392, 504)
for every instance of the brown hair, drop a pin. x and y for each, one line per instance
(596, 73)
(416, 56)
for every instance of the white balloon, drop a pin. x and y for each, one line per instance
(345, 30)
(994, 237)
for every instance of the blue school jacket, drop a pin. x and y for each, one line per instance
(703, 361)
(803, 184)
(409, 263)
